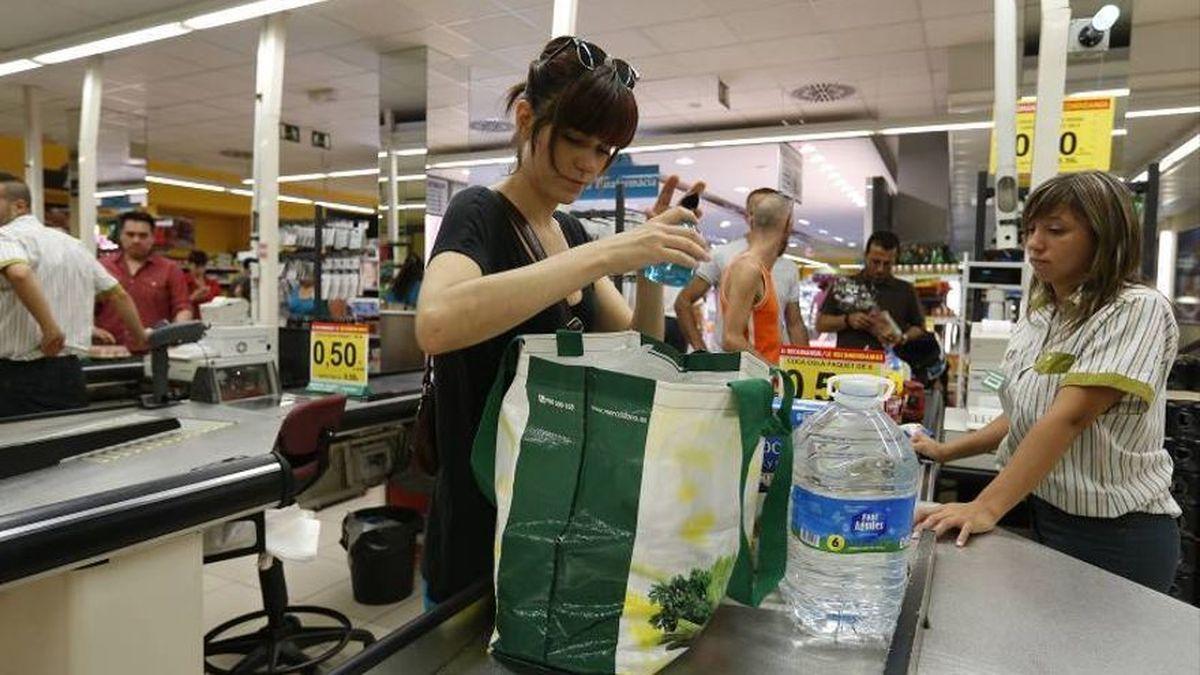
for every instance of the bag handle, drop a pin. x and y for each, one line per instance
(752, 581)
(483, 448)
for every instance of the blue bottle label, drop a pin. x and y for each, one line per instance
(838, 525)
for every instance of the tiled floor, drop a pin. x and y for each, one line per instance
(231, 586)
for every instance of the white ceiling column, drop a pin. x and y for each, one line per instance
(1004, 114)
(268, 103)
(563, 20)
(89, 150)
(33, 150)
(1051, 86)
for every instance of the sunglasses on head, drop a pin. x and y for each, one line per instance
(592, 57)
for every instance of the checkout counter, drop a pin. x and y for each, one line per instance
(102, 513)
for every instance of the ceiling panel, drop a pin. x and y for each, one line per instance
(842, 14)
(959, 30)
(935, 9)
(687, 36)
(790, 20)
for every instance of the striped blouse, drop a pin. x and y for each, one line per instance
(1118, 464)
(70, 277)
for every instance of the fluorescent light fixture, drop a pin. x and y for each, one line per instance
(1097, 93)
(405, 178)
(851, 266)
(490, 161)
(352, 173)
(1105, 17)
(345, 207)
(176, 182)
(240, 192)
(1167, 245)
(250, 10)
(724, 224)
(18, 66)
(1164, 112)
(1142, 177)
(803, 221)
(928, 128)
(851, 244)
(107, 194)
(1186, 148)
(839, 240)
(415, 206)
(685, 161)
(294, 200)
(790, 138)
(823, 231)
(407, 152)
(110, 44)
(806, 261)
(302, 177)
(1120, 132)
(741, 189)
(634, 149)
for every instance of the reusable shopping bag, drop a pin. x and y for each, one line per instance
(625, 478)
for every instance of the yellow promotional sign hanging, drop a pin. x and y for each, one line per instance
(1084, 140)
(811, 367)
(339, 358)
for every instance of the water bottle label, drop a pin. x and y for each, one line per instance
(771, 448)
(840, 525)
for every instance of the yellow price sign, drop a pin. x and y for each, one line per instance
(1084, 140)
(338, 358)
(811, 367)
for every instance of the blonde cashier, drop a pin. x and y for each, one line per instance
(574, 112)
(1083, 395)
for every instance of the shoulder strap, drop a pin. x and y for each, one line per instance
(533, 249)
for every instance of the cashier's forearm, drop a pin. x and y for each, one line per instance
(1039, 451)
(978, 442)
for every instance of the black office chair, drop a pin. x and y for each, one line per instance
(281, 645)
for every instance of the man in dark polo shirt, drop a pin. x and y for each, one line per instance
(873, 309)
(157, 285)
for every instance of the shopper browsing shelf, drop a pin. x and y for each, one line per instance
(157, 285)
(748, 299)
(783, 274)
(1083, 395)
(873, 309)
(46, 297)
(487, 281)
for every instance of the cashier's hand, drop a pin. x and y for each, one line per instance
(970, 518)
(927, 447)
(102, 337)
(53, 341)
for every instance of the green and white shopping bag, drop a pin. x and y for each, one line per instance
(625, 478)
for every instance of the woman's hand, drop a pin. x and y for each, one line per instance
(968, 519)
(928, 447)
(660, 240)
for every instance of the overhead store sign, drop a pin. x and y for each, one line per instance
(1084, 139)
(791, 165)
(640, 180)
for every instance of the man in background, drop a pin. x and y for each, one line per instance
(873, 309)
(158, 287)
(708, 275)
(48, 285)
(748, 295)
(201, 287)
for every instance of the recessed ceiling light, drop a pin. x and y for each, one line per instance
(741, 189)
(803, 221)
(851, 244)
(466, 172)
(838, 239)
(725, 223)
(823, 231)
(685, 161)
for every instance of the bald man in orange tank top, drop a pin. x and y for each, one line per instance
(748, 300)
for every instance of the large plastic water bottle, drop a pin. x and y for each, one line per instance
(854, 488)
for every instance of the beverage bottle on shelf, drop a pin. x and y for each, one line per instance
(854, 488)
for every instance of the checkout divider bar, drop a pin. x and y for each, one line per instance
(45, 538)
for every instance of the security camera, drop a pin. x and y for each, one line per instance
(1093, 34)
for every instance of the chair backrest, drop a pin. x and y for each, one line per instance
(303, 438)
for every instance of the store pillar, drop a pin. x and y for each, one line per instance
(89, 150)
(268, 103)
(33, 150)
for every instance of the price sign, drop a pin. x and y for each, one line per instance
(811, 367)
(339, 358)
(1084, 140)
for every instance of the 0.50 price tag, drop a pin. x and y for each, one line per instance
(338, 358)
(811, 367)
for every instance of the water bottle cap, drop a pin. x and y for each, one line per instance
(859, 391)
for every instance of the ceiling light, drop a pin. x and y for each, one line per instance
(685, 161)
(839, 240)
(490, 161)
(741, 189)
(1105, 17)
(164, 180)
(1120, 132)
(404, 178)
(410, 152)
(851, 266)
(1100, 93)
(465, 172)
(803, 221)
(823, 231)
(345, 207)
(806, 149)
(352, 173)
(249, 10)
(790, 138)
(294, 200)
(415, 206)
(725, 223)
(106, 194)
(928, 128)
(109, 44)
(634, 149)
(18, 66)
(1186, 148)
(302, 177)
(802, 259)
(241, 192)
(1155, 112)
(851, 244)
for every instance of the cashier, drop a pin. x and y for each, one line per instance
(483, 286)
(47, 285)
(1083, 394)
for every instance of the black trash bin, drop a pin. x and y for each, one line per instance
(381, 544)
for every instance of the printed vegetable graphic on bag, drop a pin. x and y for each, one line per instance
(625, 479)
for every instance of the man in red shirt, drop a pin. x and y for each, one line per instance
(201, 287)
(158, 287)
